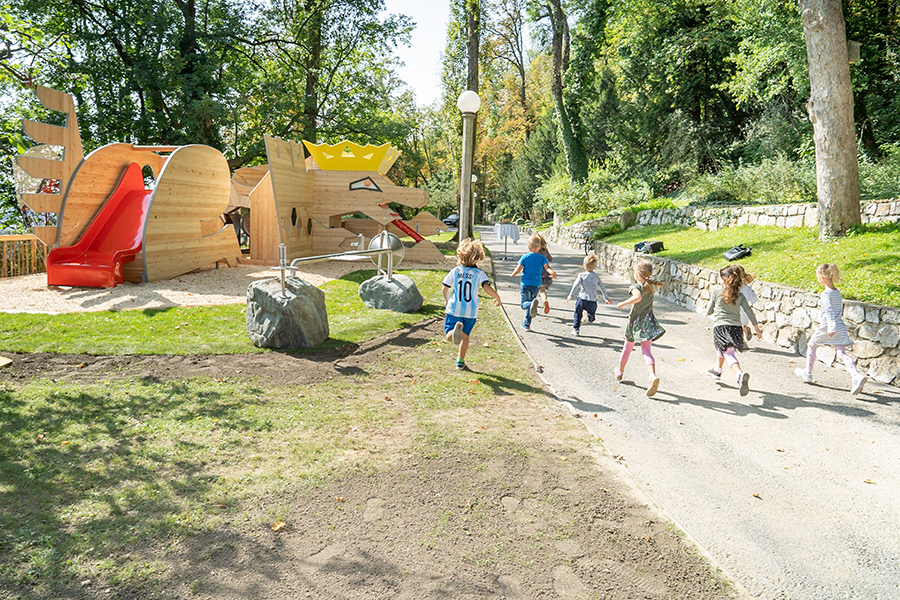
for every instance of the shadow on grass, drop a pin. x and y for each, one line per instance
(81, 485)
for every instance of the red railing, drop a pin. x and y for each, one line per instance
(22, 255)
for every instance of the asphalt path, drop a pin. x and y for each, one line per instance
(794, 489)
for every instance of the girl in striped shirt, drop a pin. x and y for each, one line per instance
(460, 289)
(831, 331)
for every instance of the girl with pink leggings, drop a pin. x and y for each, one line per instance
(642, 324)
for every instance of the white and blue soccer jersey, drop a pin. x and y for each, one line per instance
(464, 283)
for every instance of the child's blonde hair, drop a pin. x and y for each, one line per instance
(829, 271)
(537, 241)
(590, 261)
(469, 252)
(643, 269)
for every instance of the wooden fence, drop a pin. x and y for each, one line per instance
(22, 255)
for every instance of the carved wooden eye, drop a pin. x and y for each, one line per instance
(365, 184)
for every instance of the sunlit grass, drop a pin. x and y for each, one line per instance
(207, 329)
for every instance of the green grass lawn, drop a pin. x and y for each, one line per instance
(869, 259)
(207, 329)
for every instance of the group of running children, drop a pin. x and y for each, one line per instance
(729, 306)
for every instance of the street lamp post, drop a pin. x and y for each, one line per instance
(468, 104)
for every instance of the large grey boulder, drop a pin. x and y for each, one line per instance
(400, 294)
(296, 320)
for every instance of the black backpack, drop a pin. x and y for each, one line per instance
(649, 247)
(739, 251)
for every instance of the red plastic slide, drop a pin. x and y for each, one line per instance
(112, 239)
(399, 224)
(407, 230)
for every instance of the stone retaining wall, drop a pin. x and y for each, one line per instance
(778, 215)
(786, 315)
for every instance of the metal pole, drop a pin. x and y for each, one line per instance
(282, 257)
(465, 180)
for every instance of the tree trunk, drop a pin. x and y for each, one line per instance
(830, 109)
(575, 160)
(313, 67)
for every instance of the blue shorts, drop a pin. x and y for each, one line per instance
(450, 322)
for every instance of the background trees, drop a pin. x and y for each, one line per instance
(587, 105)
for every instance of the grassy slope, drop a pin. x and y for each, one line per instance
(869, 261)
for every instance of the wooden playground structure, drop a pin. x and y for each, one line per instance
(112, 228)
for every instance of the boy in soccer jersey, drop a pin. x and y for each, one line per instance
(461, 293)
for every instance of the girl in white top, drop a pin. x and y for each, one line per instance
(832, 330)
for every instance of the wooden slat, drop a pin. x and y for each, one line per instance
(43, 168)
(55, 100)
(46, 234)
(43, 203)
(44, 133)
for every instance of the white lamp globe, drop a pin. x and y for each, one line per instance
(468, 102)
(474, 178)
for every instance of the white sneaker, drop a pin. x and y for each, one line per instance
(457, 334)
(575, 332)
(803, 374)
(534, 308)
(858, 382)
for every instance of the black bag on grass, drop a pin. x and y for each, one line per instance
(739, 251)
(649, 247)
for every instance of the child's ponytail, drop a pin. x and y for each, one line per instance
(732, 280)
(644, 269)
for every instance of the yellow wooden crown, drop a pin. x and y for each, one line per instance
(349, 156)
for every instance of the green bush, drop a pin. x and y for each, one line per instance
(880, 180)
(603, 192)
(773, 181)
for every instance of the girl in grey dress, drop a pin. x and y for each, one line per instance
(832, 330)
(642, 328)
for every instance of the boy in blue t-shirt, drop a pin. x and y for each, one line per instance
(531, 265)
(461, 294)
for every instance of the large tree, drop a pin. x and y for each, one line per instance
(830, 109)
(555, 13)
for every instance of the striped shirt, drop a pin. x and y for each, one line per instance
(464, 283)
(831, 305)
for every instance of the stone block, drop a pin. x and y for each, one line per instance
(867, 331)
(855, 313)
(781, 319)
(800, 318)
(786, 337)
(885, 369)
(398, 294)
(873, 314)
(866, 349)
(888, 336)
(825, 355)
(296, 319)
(890, 315)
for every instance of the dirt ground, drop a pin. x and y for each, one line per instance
(539, 512)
